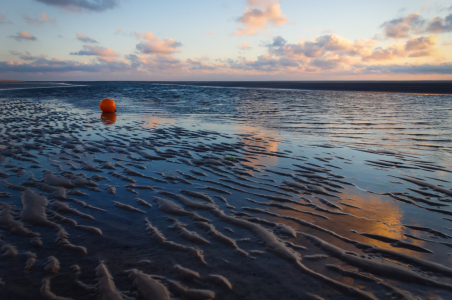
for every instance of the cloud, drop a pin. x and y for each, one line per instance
(331, 51)
(23, 36)
(421, 46)
(85, 38)
(414, 47)
(320, 46)
(28, 56)
(158, 47)
(390, 53)
(244, 46)
(37, 21)
(440, 25)
(54, 65)
(3, 20)
(146, 35)
(97, 51)
(402, 27)
(162, 63)
(259, 15)
(135, 61)
(325, 55)
(335, 54)
(330, 63)
(167, 66)
(421, 43)
(415, 24)
(443, 68)
(203, 65)
(266, 63)
(78, 5)
(278, 41)
(153, 45)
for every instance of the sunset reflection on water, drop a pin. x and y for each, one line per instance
(262, 139)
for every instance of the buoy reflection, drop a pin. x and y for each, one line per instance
(108, 118)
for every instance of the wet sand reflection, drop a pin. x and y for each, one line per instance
(108, 118)
(259, 140)
(154, 121)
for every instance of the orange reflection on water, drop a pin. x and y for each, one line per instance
(374, 207)
(154, 121)
(108, 118)
(378, 208)
(260, 138)
(378, 215)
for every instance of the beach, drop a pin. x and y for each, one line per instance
(223, 192)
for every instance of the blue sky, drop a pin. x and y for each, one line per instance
(225, 40)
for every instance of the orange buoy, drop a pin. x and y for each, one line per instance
(108, 105)
(108, 118)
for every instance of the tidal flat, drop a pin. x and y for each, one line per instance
(192, 192)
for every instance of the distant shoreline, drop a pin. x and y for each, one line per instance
(7, 80)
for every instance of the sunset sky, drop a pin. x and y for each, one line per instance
(225, 40)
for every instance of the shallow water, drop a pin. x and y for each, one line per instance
(348, 150)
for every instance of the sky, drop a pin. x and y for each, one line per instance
(226, 40)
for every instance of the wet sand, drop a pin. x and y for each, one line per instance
(123, 207)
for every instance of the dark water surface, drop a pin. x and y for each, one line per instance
(420, 87)
(313, 180)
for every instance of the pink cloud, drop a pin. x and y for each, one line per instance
(38, 21)
(421, 43)
(391, 53)
(155, 46)
(12, 63)
(259, 15)
(84, 38)
(146, 35)
(421, 46)
(95, 50)
(244, 46)
(414, 47)
(23, 36)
